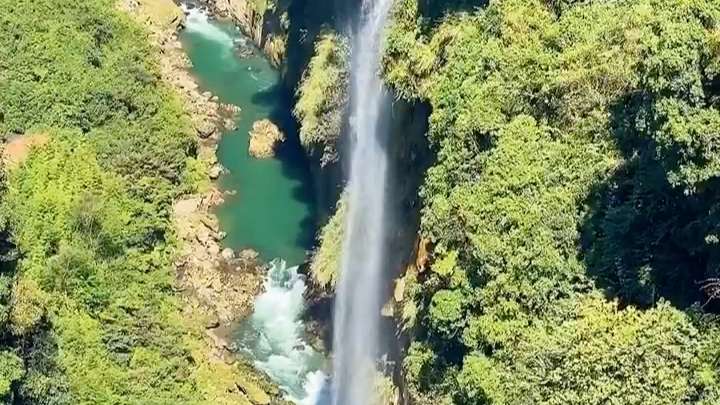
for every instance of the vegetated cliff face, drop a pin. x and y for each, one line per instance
(575, 162)
(286, 29)
(265, 24)
(565, 205)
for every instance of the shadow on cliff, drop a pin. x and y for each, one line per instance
(307, 20)
(642, 238)
(433, 11)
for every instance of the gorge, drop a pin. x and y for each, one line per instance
(270, 212)
(539, 181)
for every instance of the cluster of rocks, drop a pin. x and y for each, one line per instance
(265, 137)
(225, 283)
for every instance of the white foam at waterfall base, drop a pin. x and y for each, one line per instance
(198, 21)
(272, 337)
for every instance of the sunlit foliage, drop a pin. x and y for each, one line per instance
(573, 204)
(322, 97)
(87, 313)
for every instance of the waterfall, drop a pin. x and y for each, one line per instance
(358, 301)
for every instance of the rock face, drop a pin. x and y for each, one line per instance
(225, 285)
(264, 138)
(264, 26)
(215, 171)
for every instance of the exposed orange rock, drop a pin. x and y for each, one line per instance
(399, 290)
(264, 138)
(422, 253)
(17, 149)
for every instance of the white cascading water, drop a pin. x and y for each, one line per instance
(272, 337)
(199, 22)
(358, 300)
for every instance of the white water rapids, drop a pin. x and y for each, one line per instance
(272, 337)
(359, 296)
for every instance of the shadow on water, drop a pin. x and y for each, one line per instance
(292, 156)
(643, 239)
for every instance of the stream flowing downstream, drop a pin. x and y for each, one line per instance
(271, 212)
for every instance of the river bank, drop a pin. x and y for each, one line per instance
(217, 284)
(269, 207)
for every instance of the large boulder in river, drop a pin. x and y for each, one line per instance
(264, 138)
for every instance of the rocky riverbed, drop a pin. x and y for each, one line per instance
(220, 283)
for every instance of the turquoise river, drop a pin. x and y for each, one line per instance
(272, 210)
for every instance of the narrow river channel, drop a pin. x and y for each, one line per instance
(272, 211)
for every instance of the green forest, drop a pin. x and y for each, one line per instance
(87, 313)
(571, 208)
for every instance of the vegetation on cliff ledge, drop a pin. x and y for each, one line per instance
(573, 206)
(322, 97)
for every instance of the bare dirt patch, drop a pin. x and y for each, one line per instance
(15, 151)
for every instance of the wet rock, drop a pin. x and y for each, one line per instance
(264, 139)
(227, 254)
(248, 255)
(215, 171)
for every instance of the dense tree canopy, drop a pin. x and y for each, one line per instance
(573, 206)
(87, 313)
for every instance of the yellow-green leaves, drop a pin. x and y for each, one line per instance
(322, 97)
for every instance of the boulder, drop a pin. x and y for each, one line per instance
(186, 207)
(264, 139)
(227, 254)
(206, 130)
(215, 171)
(212, 321)
(253, 393)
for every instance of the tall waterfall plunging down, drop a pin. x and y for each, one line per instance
(358, 300)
